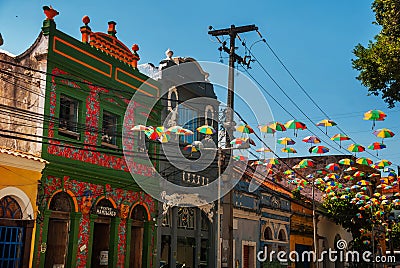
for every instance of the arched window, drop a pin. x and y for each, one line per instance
(9, 208)
(268, 234)
(61, 202)
(282, 236)
(139, 213)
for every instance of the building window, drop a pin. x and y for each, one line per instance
(9, 208)
(109, 130)
(268, 234)
(186, 218)
(69, 110)
(282, 236)
(188, 118)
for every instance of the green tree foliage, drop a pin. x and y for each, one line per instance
(379, 62)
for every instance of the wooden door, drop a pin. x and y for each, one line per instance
(101, 245)
(136, 254)
(57, 243)
(246, 257)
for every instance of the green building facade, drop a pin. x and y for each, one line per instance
(91, 211)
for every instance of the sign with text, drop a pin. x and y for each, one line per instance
(106, 211)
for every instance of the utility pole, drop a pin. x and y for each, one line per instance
(227, 258)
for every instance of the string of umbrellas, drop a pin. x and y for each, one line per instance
(337, 181)
(161, 134)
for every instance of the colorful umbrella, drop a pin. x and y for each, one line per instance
(245, 129)
(267, 129)
(364, 161)
(363, 183)
(277, 126)
(346, 162)
(376, 146)
(238, 141)
(358, 174)
(383, 133)
(152, 134)
(263, 150)
(326, 123)
(332, 167)
(340, 137)
(206, 129)
(383, 163)
(175, 129)
(350, 169)
(258, 162)
(272, 161)
(318, 149)
(139, 128)
(289, 150)
(286, 141)
(374, 115)
(190, 148)
(311, 140)
(296, 125)
(355, 148)
(239, 158)
(306, 163)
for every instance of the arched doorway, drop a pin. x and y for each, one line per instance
(58, 235)
(101, 233)
(139, 216)
(11, 235)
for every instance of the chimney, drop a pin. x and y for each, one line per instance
(85, 30)
(111, 28)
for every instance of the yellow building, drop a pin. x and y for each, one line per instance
(19, 177)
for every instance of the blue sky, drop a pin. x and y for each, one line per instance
(313, 38)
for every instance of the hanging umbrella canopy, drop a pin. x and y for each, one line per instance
(139, 128)
(332, 167)
(356, 148)
(326, 123)
(256, 163)
(296, 125)
(263, 150)
(319, 149)
(346, 162)
(175, 129)
(340, 137)
(376, 146)
(311, 139)
(363, 183)
(350, 169)
(277, 126)
(364, 161)
(267, 129)
(239, 158)
(288, 172)
(348, 177)
(286, 141)
(185, 132)
(190, 148)
(374, 115)
(383, 133)
(206, 129)
(359, 174)
(272, 161)
(152, 134)
(289, 150)
(383, 163)
(245, 129)
(238, 141)
(306, 163)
